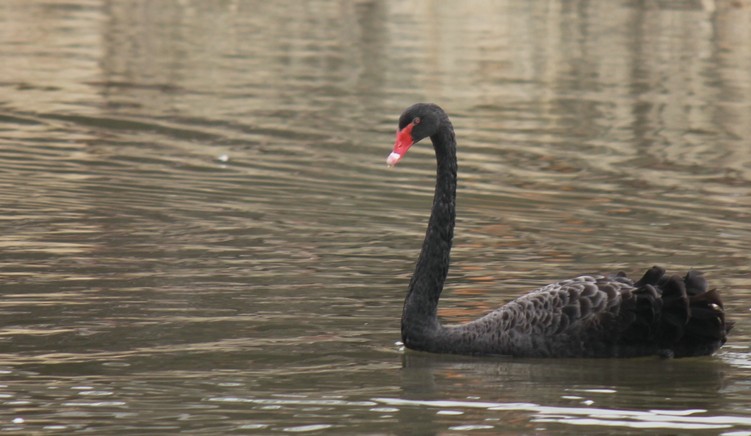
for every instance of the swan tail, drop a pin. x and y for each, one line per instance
(686, 318)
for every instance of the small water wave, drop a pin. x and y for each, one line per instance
(593, 416)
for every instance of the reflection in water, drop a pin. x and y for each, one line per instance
(632, 393)
(522, 379)
(196, 208)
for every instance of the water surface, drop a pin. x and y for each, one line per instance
(200, 233)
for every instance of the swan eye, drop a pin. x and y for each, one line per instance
(416, 121)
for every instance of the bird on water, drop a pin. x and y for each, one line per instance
(587, 316)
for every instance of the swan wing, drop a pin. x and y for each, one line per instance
(599, 316)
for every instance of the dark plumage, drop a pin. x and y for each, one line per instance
(588, 316)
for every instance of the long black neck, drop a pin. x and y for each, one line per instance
(419, 319)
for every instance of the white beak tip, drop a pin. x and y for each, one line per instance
(393, 159)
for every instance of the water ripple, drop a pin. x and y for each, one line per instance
(652, 419)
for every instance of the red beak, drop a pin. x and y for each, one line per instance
(401, 145)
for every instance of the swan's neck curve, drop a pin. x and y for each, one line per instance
(420, 324)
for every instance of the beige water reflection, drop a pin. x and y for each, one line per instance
(200, 233)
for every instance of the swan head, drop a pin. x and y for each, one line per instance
(416, 123)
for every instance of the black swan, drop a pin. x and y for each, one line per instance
(587, 316)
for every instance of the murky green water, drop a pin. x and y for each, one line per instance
(200, 234)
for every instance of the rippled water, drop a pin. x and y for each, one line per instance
(200, 233)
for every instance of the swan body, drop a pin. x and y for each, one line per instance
(587, 316)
